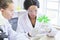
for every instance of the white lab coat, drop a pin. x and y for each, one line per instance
(57, 37)
(12, 35)
(25, 26)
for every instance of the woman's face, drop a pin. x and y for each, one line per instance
(32, 10)
(8, 12)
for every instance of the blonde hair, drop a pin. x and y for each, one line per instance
(4, 3)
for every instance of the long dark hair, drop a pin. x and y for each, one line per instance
(28, 3)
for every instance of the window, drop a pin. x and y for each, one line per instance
(52, 9)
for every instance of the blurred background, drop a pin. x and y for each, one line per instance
(51, 8)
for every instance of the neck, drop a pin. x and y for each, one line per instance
(4, 15)
(33, 21)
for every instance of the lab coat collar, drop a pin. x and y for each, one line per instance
(2, 19)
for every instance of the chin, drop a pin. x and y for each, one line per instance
(33, 17)
(9, 18)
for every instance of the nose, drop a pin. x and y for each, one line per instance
(34, 13)
(12, 13)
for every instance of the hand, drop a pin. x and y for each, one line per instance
(46, 28)
(50, 34)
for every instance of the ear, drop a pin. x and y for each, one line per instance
(2, 10)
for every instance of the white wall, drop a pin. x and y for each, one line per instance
(18, 3)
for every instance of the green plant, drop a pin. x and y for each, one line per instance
(43, 18)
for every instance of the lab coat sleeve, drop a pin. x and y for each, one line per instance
(49, 30)
(53, 32)
(20, 27)
(16, 36)
(11, 34)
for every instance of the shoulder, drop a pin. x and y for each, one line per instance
(22, 15)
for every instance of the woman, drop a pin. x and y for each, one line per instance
(28, 21)
(6, 13)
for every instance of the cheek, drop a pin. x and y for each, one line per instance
(9, 15)
(33, 14)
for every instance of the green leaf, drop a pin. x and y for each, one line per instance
(39, 19)
(44, 19)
